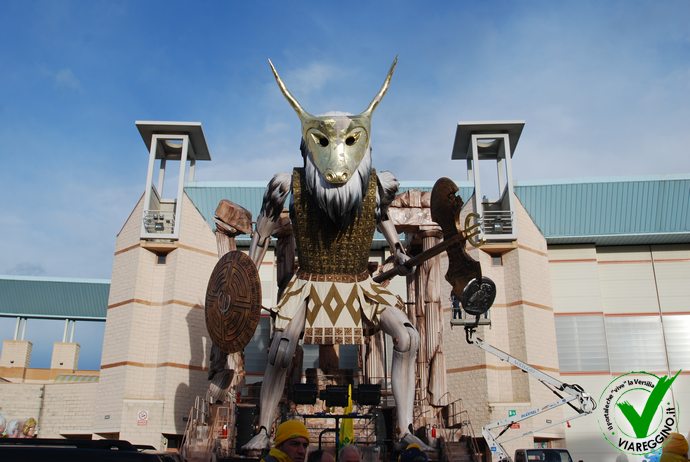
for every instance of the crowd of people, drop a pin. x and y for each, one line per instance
(291, 444)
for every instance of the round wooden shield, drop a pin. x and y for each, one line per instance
(233, 302)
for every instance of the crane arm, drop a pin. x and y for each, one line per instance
(571, 394)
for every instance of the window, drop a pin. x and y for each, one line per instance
(160, 259)
(173, 441)
(676, 328)
(497, 260)
(581, 343)
(635, 343)
(256, 351)
(311, 357)
(349, 357)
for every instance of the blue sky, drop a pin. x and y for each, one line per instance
(604, 88)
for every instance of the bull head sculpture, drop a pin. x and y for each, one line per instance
(337, 142)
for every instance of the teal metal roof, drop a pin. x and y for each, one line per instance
(605, 211)
(54, 298)
(207, 195)
(610, 211)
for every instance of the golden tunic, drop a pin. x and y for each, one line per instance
(341, 298)
(324, 247)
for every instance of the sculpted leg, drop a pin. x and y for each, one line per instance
(403, 376)
(280, 355)
(405, 346)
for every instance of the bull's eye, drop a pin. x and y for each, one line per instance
(353, 137)
(319, 139)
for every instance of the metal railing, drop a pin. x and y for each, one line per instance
(497, 222)
(220, 436)
(196, 435)
(456, 427)
(159, 221)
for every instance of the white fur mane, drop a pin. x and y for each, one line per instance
(340, 202)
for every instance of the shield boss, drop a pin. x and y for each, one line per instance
(233, 302)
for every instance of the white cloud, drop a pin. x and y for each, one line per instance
(312, 77)
(65, 78)
(69, 220)
(27, 269)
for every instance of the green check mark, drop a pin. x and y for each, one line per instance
(641, 422)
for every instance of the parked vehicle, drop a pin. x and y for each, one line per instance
(71, 450)
(542, 455)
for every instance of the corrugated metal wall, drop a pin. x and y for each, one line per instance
(608, 207)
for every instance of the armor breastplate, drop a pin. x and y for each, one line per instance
(324, 247)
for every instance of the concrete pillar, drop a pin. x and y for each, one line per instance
(65, 356)
(16, 353)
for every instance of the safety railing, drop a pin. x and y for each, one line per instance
(159, 221)
(456, 427)
(195, 441)
(497, 222)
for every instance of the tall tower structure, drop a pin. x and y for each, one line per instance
(515, 258)
(487, 146)
(156, 348)
(168, 142)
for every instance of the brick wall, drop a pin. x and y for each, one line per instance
(60, 408)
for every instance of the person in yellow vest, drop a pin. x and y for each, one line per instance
(675, 449)
(291, 443)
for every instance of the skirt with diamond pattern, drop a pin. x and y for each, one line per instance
(337, 312)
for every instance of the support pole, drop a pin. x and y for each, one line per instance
(16, 328)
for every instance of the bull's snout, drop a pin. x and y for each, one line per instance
(338, 177)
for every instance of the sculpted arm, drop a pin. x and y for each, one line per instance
(268, 219)
(387, 189)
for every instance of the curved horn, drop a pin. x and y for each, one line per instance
(384, 88)
(291, 99)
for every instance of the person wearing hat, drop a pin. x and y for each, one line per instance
(413, 453)
(290, 444)
(675, 449)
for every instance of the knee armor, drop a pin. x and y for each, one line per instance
(282, 350)
(412, 341)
